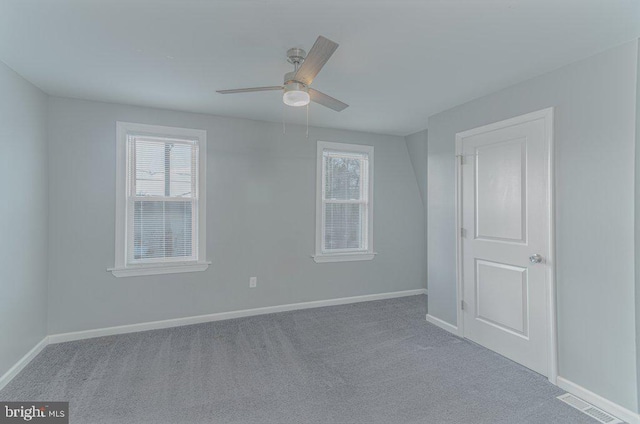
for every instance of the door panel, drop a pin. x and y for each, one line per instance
(504, 208)
(501, 296)
(501, 190)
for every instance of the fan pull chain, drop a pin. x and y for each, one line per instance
(284, 128)
(307, 120)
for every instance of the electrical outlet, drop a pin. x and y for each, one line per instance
(253, 282)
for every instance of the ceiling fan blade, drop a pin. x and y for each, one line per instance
(319, 54)
(325, 100)
(250, 90)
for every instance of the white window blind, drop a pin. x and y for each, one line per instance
(345, 201)
(162, 199)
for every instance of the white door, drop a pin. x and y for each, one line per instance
(505, 237)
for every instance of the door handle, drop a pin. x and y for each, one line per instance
(535, 259)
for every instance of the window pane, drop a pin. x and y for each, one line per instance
(163, 168)
(162, 230)
(150, 168)
(342, 177)
(182, 170)
(344, 226)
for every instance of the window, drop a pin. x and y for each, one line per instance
(160, 200)
(344, 213)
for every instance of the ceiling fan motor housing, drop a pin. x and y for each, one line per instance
(290, 77)
(290, 84)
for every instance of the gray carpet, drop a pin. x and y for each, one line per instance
(374, 362)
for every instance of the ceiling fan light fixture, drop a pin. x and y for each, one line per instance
(296, 95)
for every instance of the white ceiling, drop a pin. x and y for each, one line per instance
(398, 62)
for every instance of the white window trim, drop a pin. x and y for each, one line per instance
(345, 256)
(121, 268)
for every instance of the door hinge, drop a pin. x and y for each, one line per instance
(462, 305)
(463, 232)
(463, 158)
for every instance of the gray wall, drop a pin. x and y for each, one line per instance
(417, 147)
(23, 212)
(595, 103)
(260, 220)
(637, 223)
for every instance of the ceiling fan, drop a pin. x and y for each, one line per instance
(296, 84)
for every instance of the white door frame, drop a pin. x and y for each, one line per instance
(547, 115)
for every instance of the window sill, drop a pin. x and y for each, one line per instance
(140, 270)
(343, 257)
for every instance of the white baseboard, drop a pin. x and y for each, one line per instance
(177, 322)
(606, 405)
(23, 362)
(443, 324)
